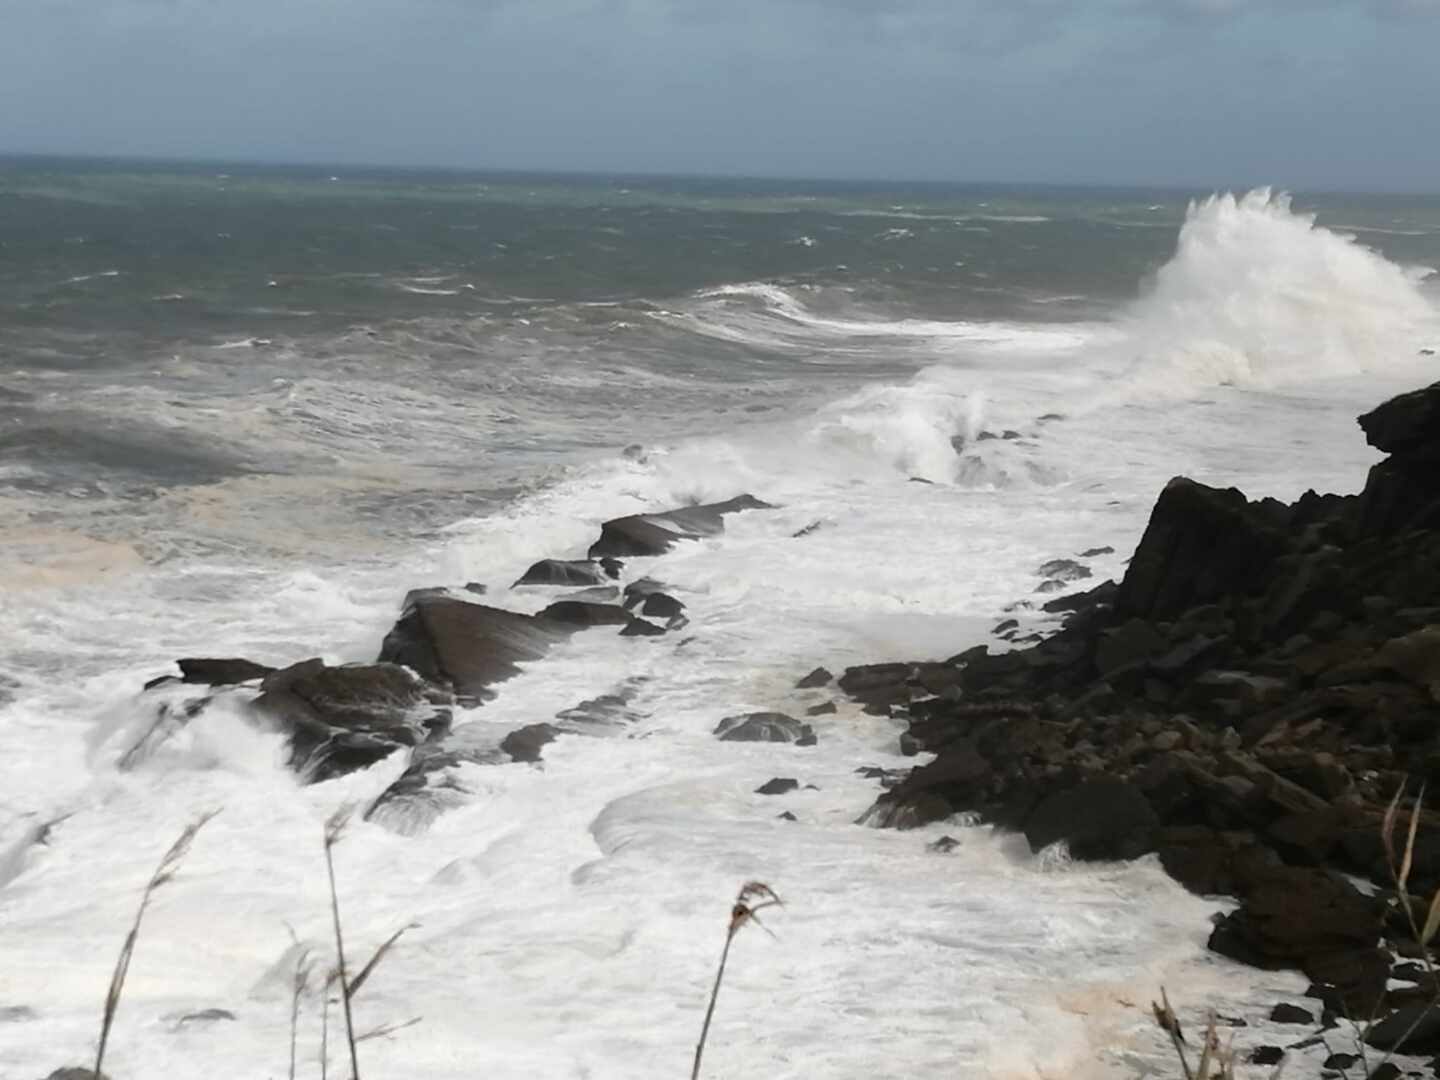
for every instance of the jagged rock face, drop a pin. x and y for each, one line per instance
(1406, 423)
(1202, 543)
(1403, 492)
(469, 647)
(344, 718)
(654, 534)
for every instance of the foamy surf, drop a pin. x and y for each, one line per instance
(570, 914)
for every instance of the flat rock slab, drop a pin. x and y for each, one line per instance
(468, 646)
(654, 534)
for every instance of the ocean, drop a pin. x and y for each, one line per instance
(244, 409)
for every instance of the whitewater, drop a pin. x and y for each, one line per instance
(564, 919)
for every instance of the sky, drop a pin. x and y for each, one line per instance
(1296, 93)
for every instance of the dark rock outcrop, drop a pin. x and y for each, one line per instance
(1102, 818)
(343, 718)
(654, 534)
(1245, 703)
(469, 647)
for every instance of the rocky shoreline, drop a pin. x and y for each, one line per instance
(1244, 703)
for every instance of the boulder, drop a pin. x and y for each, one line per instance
(817, 678)
(659, 605)
(1285, 1013)
(467, 646)
(76, 1072)
(525, 744)
(778, 786)
(765, 727)
(1412, 1029)
(340, 719)
(565, 572)
(1102, 818)
(654, 534)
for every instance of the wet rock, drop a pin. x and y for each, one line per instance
(654, 534)
(16, 1014)
(765, 727)
(818, 677)
(1064, 570)
(638, 591)
(204, 1016)
(468, 646)
(659, 605)
(1103, 818)
(825, 708)
(1266, 1055)
(943, 846)
(1090, 553)
(1285, 1013)
(221, 672)
(786, 815)
(339, 719)
(581, 614)
(525, 744)
(565, 572)
(1340, 1062)
(430, 785)
(641, 628)
(780, 785)
(76, 1072)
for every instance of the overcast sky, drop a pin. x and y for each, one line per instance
(1298, 93)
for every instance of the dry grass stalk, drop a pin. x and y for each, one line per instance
(169, 864)
(334, 830)
(389, 1029)
(298, 986)
(1213, 1056)
(1400, 874)
(384, 948)
(754, 896)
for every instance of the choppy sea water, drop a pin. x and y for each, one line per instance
(242, 414)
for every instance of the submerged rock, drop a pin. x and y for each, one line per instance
(778, 786)
(765, 727)
(568, 572)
